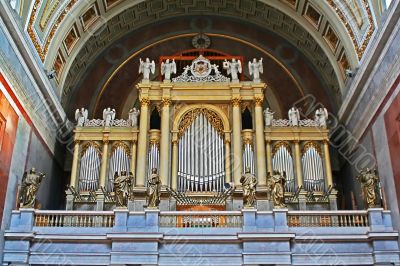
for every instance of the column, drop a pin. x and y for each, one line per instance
(133, 156)
(74, 171)
(299, 171)
(227, 158)
(174, 174)
(269, 156)
(328, 167)
(260, 148)
(165, 141)
(237, 145)
(104, 162)
(142, 143)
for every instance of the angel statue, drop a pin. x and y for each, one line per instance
(133, 117)
(81, 116)
(153, 189)
(369, 180)
(167, 69)
(294, 117)
(123, 185)
(233, 68)
(249, 183)
(29, 186)
(268, 117)
(321, 116)
(255, 68)
(278, 181)
(108, 116)
(146, 67)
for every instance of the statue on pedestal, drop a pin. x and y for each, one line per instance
(146, 67)
(294, 116)
(123, 188)
(255, 68)
(369, 180)
(29, 186)
(133, 117)
(278, 189)
(108, 116)
(233, 68)
(81, 116)
(249, 183)
(168, 68)
(268, 117)
(154, 189)
(321, 116)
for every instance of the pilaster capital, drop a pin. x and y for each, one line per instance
(166, 101)
(259, 100)
(236, 101)
(144, 101)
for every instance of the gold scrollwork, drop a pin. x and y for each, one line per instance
(311, 144)
(259, 100)
(211, 116)
(236, 101)
(123, 145)
(280, 144)
(93, 144)
(145, 101)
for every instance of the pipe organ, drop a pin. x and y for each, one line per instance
(194, 147)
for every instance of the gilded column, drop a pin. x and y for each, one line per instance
(133, 157)
(165, 141)
(104, 162)
(227, 158)
(269, 156)
(75, 158)
(299, 171)
(260, 146)
(237, 145)
(142, 143)
(174, 175)
(328, 167)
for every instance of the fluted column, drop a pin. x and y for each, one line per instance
(174, 174)
(299, 171)
(237, 145)
(227, 158)
(75, 158)
(133, 157)
(260, 146)
(142, 143)
(269, 156)
(104, 163)
(328, 167)
(165, 141)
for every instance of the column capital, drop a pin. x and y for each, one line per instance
(259, 100)
(236, 101)
(144, 101)
(106, 140)
(166, 101)
(77, 141)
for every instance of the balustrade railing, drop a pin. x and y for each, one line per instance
(73, 219)
(328, 219)
(202, 219)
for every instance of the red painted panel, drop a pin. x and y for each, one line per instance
(8, 131)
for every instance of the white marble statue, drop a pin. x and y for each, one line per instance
(255, 68)
(81, 116)
(108, 116)
(321, 116)
(294, 116)
(168, 68)
(233, 68)
(268, 117)
(146, 67)
(133, 117)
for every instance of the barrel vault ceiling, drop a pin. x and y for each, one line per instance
(70, 36)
